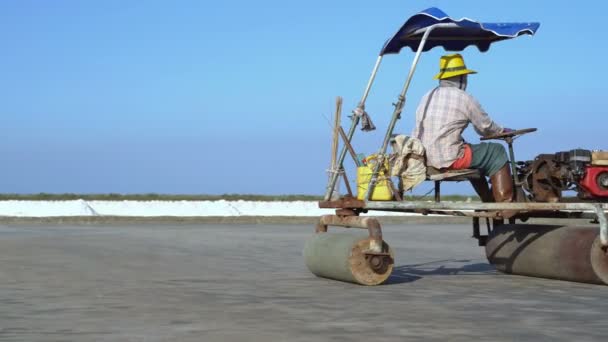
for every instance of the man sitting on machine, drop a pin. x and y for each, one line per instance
(442, 116)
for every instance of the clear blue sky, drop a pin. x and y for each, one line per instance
(229, 97)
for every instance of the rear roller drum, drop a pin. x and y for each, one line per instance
(347, 257)
(557, 252)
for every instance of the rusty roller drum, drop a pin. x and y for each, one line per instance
(556, 252)
(342, 256)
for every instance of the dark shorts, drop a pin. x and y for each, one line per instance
(488, 158)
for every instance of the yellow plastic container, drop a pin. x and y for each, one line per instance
(382, 191)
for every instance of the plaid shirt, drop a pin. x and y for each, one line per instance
(441, 120)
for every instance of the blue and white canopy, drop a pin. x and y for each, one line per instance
(457, 36)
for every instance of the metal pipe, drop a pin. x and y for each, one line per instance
(516, 190)
(364, 222)
(422, 30)
(522, 206)
(512, 161)
(398, 107)
(418, 53)
(496, 213)
(370, 82)
(355, 120)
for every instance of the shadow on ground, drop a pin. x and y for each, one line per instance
(409, 273)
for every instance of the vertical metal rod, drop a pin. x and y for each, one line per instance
(437, 191)
(476, 230)
(512, 161)
(370, 82)
(513, 170)
(601, 217)
(397, 112)
(355, 120)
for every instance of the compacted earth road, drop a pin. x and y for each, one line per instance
(247, 282)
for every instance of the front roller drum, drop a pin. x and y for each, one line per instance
(355, 258)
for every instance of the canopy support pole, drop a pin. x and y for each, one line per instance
(355, 120)
(399, 107)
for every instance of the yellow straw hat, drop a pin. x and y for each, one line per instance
(452, 65)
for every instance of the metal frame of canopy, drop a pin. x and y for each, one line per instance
(398, 105)
(351, 206)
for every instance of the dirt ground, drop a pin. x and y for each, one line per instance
(248, 282)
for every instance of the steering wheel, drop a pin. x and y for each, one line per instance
(506, 135)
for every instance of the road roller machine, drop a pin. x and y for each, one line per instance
(513, 246)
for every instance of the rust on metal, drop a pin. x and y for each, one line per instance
(369, 223)
(521, 210)
(371, 268)
(346, 212)
(343, 203)
(522, 206)
(545, 182)
(379, 261)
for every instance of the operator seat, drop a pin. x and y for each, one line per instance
(439, 176)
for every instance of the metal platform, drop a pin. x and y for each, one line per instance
(581, 210)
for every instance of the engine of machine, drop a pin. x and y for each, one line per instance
(547, 176)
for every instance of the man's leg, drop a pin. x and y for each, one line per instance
(482, 189)
(491, 159)
(502, 189)
(480, 184)
(502, 185)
